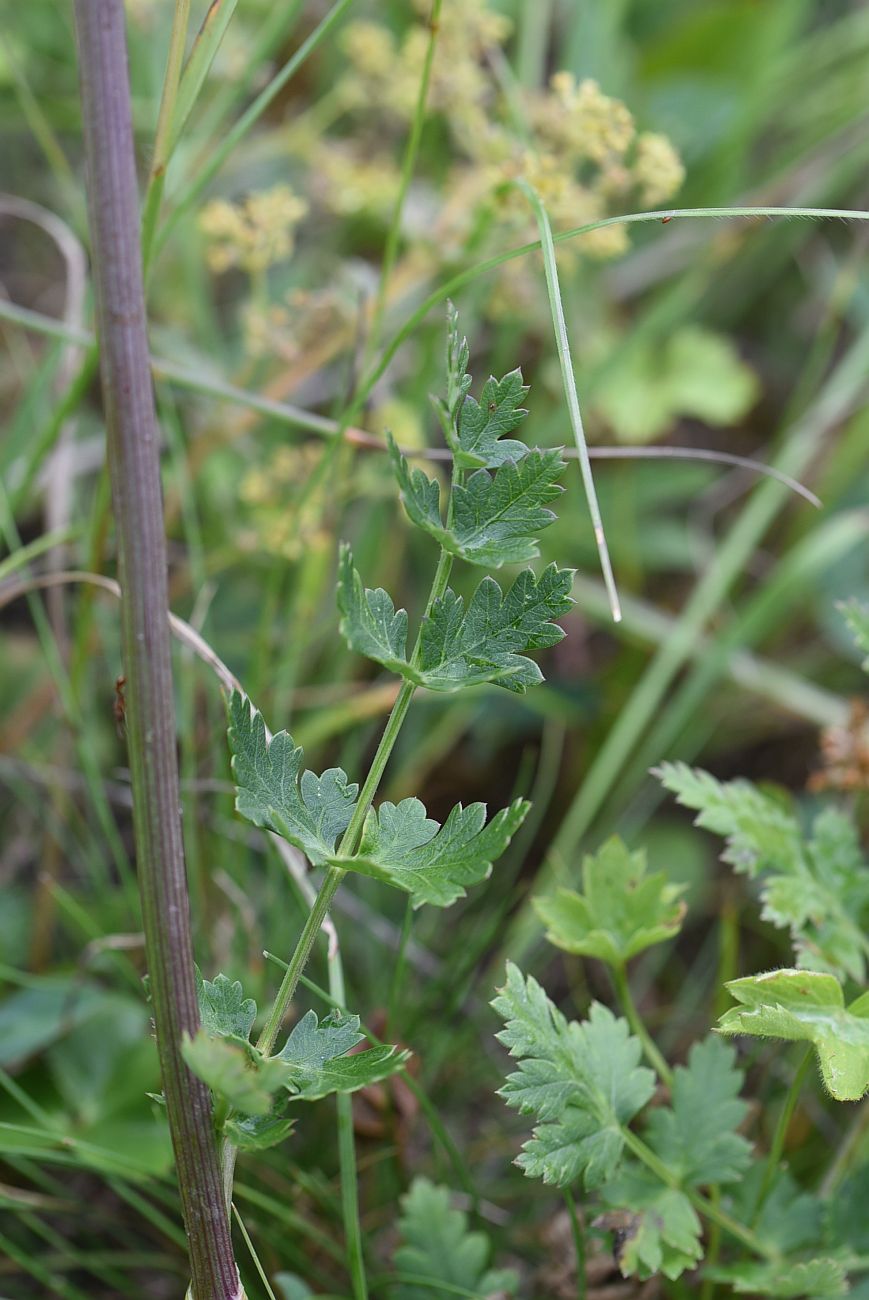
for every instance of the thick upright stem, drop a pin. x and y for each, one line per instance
(133, 452)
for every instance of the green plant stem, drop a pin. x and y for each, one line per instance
(347, 1157)
(254, 1256)
(701, 1203)
(133, 453)
(578, 1235)
(408, 165)
(248, 119)
(163, 135)
(568, 379)
(781, 1131)
(635, 1020)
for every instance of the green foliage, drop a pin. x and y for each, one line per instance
(436, 1245)
(496, 517)
(817, 1278)
(582, 1082)
(273, 791)
(693, 372)
(697, 1135)
(223, 1009)
(235, 1071)
(403, 846)
(658, 1230)
(459, 648)
(807, 1006)
(317, 1062)
(369, 622)
(485, 644)
(815, 886)
(620, 912)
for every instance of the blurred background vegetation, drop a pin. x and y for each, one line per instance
(750, 337)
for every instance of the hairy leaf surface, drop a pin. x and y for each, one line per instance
(274, 792)
(807, 1006)
(582, 1081)
(620, 911)
(404, 847)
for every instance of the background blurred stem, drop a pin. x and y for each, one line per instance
(133, 449)
(163, 137)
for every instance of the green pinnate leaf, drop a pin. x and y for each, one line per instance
(620, 911)
(223, 1008)
(235, 1071)
(657, 1229)
(437, 1246)
(274, 792)
(496, 517)
(807, 1006)
(816, 887)
(434, 864)
(485, 643)
(857, 617)
(483, 424)
(583, 1082)
(458, 379)
(696, 1136)
(370, 623)
(316, 1061)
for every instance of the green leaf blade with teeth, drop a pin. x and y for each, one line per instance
(483, 424)
(435, 864)
(620, 912)
(659, 1231)
(485, 644)
(370, 623)
(316, 1061)
(438, 1246)
(807, 1006)
(235, 1071)
(582, 1081)
(273, 791)
(223, 1008)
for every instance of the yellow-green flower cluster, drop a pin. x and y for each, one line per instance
(285, 520)
(253, 234)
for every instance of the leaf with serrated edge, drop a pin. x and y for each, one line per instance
(316, 1060)
(582, 1081)
(223, 1008)
(807, 1006)
(496, 516)
(818, 888)
(370, 623)
(659, 1229)
(482, 424)
(273, 791)
(437, 1244)
(484, 643)
(696, 1136)
(620, 911)
(786, 1279)
(404, 847)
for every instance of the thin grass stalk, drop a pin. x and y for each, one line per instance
(133, 453)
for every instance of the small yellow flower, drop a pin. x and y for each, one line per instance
(658, 169)
(254, 234)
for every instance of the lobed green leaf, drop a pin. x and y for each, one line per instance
(223, 1008)
(235, 1071)
(274, 792)
(620, 911)
(404, 847)
(316, 1061)
(436, 1244)
(582, 1081)
(370, 623)
(807, 1006)
(657, 1228)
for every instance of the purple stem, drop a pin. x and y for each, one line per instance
(134, 464)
